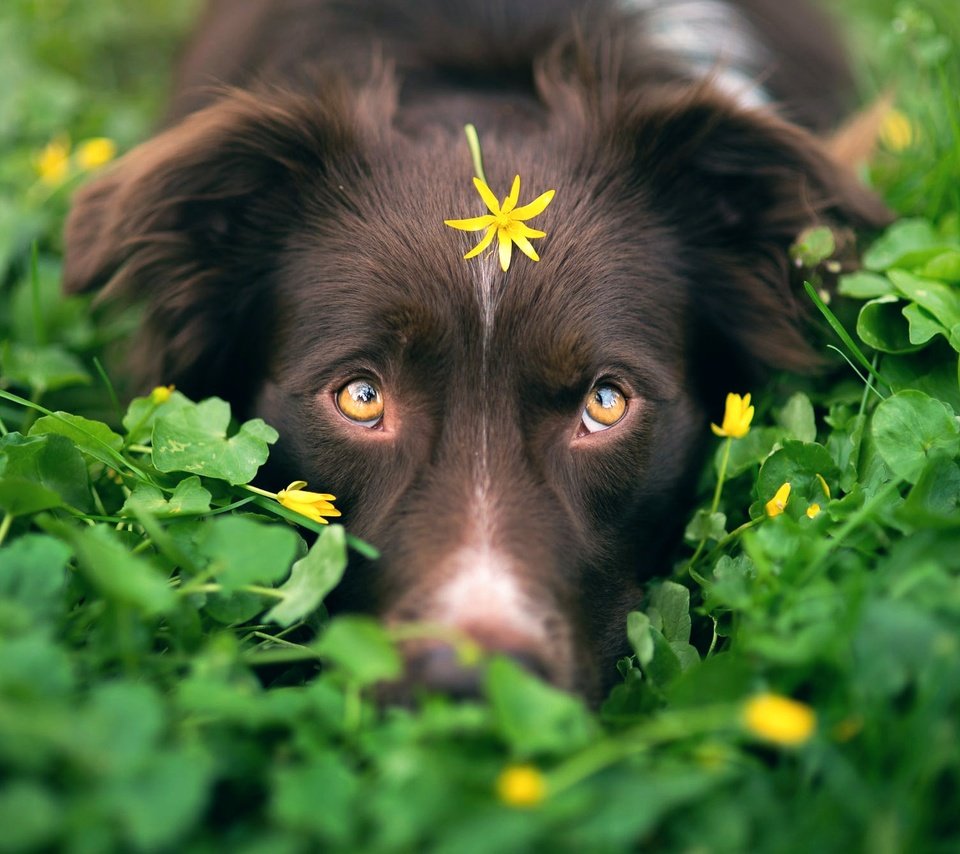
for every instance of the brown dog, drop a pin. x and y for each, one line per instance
(520, 445)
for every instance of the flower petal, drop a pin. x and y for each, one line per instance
(524, 246)
(525, 231)
(535, 207)
(483, 244)
(489, 199)
(506, 249)
(510, 202)
(305, 496)
(475, 223)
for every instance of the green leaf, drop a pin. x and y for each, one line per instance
(797, 418)
(361, 649)
(233, 609)
(242, 551)
(142, 414)
(312, 578)
(910, 427)
(749, 451)
(815, 245)
(94, 438)
(194, 439)
(30, 816)
(940, 300)
(41, 369)
(118, 574)
(706, 526)
(531, 716)
(880, 325)
(672, 601)
(922, 325)
(933, 501)
(907, 244)
(52, 461)
(318, 799)
(638, 633)
(119, 727)
(22, 497)
(945, 267)
(189, 498)
(162, 802)
(664, 666)
(934, 370)
(32, 573)
(864, 285)
(796, 463)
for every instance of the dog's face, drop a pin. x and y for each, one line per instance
(518, 445)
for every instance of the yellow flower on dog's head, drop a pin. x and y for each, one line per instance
(506, 221)
(313, 505)
(736, 417)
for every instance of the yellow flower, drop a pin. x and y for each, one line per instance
(521, 786)
(736, 417)
(896, 132)
(53, 163)
(506, 221)
(813, 511)
(96, 152)
(776, 505)
(313, 505)
(779, 719)
(161, 394)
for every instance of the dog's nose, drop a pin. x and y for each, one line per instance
(438, 668)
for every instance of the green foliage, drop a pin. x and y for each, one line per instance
(169, 679)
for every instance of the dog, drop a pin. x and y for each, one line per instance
(519, 444)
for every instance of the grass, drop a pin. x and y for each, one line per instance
(145, 594)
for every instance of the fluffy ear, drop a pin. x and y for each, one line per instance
(740, 186)
(189, 223)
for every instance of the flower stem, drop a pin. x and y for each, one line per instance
(724, 460)
(5, 526)
(473, 141)
(258, 491)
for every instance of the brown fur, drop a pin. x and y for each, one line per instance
(287, 235)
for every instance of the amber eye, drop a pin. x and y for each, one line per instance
(606, 405)
(361, 402)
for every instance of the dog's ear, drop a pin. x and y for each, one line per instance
(189, 223)
(740, 186)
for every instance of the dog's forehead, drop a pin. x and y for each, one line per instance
(607, 272)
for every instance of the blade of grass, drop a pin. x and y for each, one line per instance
(39, 328)
(842, 333)
(114, 400)
(121, 461)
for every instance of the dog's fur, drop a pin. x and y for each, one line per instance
(286, 235)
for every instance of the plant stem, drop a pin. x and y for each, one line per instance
(724, 460)
(721, 477)
(473, 141)
(251, 488)
(5, 526)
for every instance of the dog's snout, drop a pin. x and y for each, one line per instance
(439, 668)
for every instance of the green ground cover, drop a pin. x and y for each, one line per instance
(145, 593)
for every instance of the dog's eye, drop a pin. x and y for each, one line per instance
(361, 402)
(606, 405)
